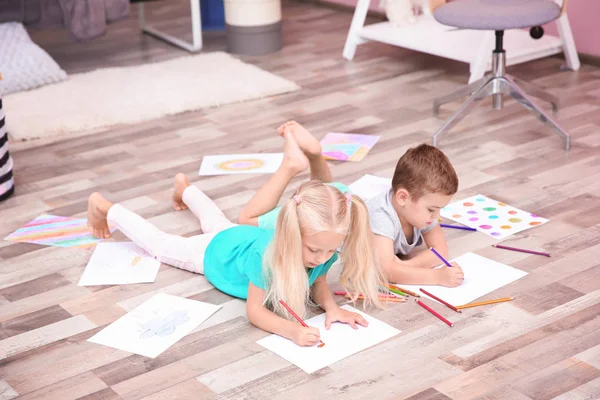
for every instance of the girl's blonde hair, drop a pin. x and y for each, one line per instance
(317, 207)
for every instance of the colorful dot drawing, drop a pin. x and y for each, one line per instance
(240, 165)
(491, 217)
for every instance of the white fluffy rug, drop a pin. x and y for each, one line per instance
(129, 95)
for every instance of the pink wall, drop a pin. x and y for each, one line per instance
(583, 16)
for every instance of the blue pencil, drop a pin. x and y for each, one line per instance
(465, 228)
(440, 256)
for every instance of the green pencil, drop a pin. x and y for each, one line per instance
(394, 290)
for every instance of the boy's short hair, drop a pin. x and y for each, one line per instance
(425, 169)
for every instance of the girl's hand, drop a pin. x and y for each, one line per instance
(345, 316)
(303, 336)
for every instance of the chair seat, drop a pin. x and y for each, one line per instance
(497, 15)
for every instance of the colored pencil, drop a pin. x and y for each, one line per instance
(408, 292)
(381, 295)
(539, 253)
(433, 312)
(384, 299)
(397, 291)
(483, 303)
(298, 318)
(440, 256)
(440, 300)
(464, 228)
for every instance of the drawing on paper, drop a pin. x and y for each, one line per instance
(244, 164)
(347, 146)
(258, 163)
(164, 326)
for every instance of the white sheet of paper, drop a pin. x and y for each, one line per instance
(119, 263)
(491, 217)
(155, 325)
(369, 186)
(260, 163)
(482, 276)
(341, 341)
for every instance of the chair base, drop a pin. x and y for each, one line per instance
(498, 84)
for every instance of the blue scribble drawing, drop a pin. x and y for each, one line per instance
(164, 326)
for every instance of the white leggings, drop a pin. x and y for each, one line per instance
(181, 252)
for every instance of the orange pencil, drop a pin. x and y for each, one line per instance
(384, 299)
(407, 291)
(483, 303)
(298, 318)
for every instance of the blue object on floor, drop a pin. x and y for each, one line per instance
(212, 13)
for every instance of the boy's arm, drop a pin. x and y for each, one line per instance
(427, 259)
(398, 271)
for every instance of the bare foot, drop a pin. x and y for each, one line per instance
(307, 142)
(181, 183)
(293, 158)
(98, 207)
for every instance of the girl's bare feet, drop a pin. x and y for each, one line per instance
(293, 157)
(98, 208)
(307, 142)
(181, 183)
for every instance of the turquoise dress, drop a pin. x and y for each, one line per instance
(234, 258)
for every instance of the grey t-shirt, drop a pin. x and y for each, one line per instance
(385, 222)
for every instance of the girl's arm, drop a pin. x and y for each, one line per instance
(268, 321)
(322, 295)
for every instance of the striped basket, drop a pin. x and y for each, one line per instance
(7, 186)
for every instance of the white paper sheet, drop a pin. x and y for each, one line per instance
(341, 341)
(260, 163)
(119, 264)
(369, 186)
(491, 217)
(155, 325)
(482, 276)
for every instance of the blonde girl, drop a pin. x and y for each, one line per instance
(261, 265)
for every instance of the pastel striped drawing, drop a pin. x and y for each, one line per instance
(54, 230)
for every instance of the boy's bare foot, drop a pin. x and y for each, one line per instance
(293, 157)
(181, 183)
(98, 207)
(307, 142)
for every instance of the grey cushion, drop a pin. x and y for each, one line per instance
(497, 14)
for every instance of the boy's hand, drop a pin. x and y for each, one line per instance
(304, 336)
(450, 277)
(345, 316)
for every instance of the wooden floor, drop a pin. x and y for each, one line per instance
(543, 345)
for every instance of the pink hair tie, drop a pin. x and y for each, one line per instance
(297, 199)
(349, 198)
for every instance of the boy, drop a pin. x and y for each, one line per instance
(406, 216)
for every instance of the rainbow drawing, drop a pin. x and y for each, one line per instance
(347, 146)
(53, 230)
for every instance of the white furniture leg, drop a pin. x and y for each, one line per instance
(193, 47)
(482, 57)
(358, 21)
(568, 43)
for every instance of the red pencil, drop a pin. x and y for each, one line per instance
(440, 300)
(433, 312)
(298, 318)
